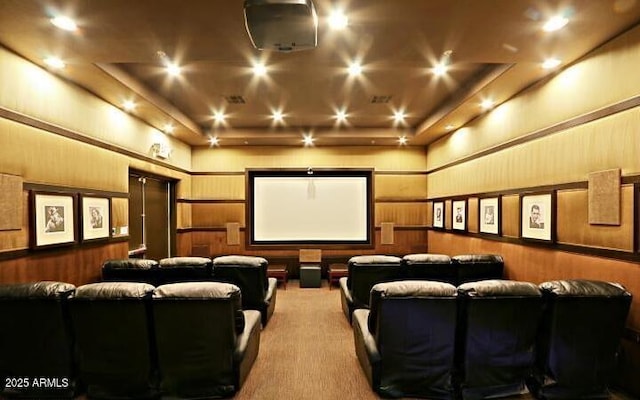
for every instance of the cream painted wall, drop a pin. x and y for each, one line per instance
(33, 91)
(606, 77)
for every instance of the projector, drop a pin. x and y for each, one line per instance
(281, 25)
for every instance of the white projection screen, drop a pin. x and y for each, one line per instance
(299, 207)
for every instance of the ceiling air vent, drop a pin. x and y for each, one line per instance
(380, 99)
(235, 99)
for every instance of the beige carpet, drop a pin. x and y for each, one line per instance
(306, 350)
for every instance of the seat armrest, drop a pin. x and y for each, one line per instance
(252, 323)
(366, 348)
(345, 289)
(271, 289)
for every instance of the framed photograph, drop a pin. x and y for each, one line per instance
(489, 215)
(459, 215)
(438, 214)
(52, 219)
(96, 218)
(537, 216)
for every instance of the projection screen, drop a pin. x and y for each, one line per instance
(321, 207)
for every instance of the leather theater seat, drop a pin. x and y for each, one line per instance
(364, 272)
(477, 267)
(206, 343)
(116, 352)
(130, 270)
(184, 269)
(250, 275)
(406, 342)
(579, 339)
(36, 340)
(497, 330)
(429, 267)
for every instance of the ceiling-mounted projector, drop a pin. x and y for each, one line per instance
(282, 25)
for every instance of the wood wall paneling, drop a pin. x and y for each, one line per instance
(429, 214)
(448, 213)
(120, 215)
(207, 215)
(400, 186)
(17, 239)
(573, 222)
(472, 215)
(511, 216)
(11, 201)
(402, 214)
(228, 187)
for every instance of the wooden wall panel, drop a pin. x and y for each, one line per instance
(17, 240)
(448, 212)
(472, 215)
(510, 216)
(573, 223)
(119, 214)
(539, 264)
(402, 214)
(219, 187)
(603, 77)
(429, 214)
(401, 186)
(207, 215)
(184, 212)
(78, 266)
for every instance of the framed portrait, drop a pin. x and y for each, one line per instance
(459, 215)
(52, 219)
(438, 214)
(96, 218)
(489, 215)
(537, 216)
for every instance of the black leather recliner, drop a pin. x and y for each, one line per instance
(429, 267)
(250, 274)
(184, 269)
(364, 272)
(116, 349)
(206, 343)
(497, 331)
(477, 267)
(36, 341)
(406, 342)
(579, 339)
(130, 270)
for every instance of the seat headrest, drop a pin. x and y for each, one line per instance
(130, 263)
(414, 289)
(196, 290)
(36, 290)
(500, 288)
(114, 291)
(185, 261)
(477, 258)
(583, 287)
(410, 259)
(375, 259)
(240, 260)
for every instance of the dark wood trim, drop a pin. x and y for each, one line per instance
(211, 201)
(559, 127)
(13, 254)
(401, 200)
(69, 134)
(518, 191)
(205, 229)
(401, 172)
(22, 253)
(67, 189)
(218, 173)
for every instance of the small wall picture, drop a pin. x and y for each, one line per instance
(438, 214)
(95, 217)
(537, 216)
(459, 215)
(489, 214)
(52, 219)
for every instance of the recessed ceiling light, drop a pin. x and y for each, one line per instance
(173, 69)
(308, 139)
(64, 23)
(355, 69)
(449, 127)
(341, 116)
(550, 63)
(168, 128)
(129, 105)
(487, 104)
(277, 116)
(219, 117)
(338, 20)
(402, 140)
(213, 140)
(259, 69)
(399, 116)
(55, 62)
(440, 69)
(555, 23)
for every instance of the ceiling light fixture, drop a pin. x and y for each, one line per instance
(214, 141)
(308, 139)
(55, 62)
(355, 69)
(449, 127)
(402, 140)
(277, 116)
(341, 116)
(555, 23)
(168, 128)
(550, 63)
(173, 69)
(487, 104)
(64, 23)
(399, 116)
(219, 117)
(259, 69)
(129, 105)
(442, 67)
(338, 20)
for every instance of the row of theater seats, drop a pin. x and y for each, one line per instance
(366, 271)
(125, 340)
(491, 338)
(247, 272)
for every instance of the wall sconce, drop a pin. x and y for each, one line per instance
(160, 150)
